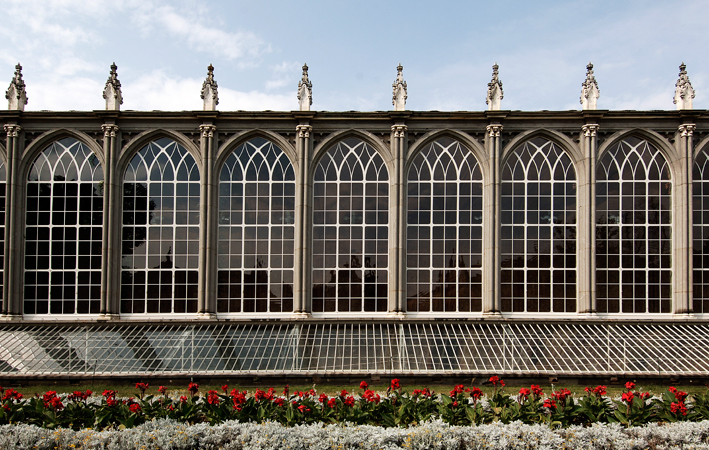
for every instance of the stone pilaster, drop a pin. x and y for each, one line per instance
(682, 220)
(14, 251)
(586, 223)
(491, 222)
(111, 252)
(207, 297)
(397, 223)
(302, 269)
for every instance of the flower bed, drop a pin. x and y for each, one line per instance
(395, 419)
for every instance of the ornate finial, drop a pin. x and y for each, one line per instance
(305, 91)
(209, 91)
(112, 90)
(399, 90)
(589, 89)
(495, 94)
(16, 94)
(684, 93)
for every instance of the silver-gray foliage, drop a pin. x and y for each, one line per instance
(169, 435)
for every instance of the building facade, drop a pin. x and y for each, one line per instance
(411, 241)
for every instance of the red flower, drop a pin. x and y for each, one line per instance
(458, 389)
(213, 397)
(12, 394)
(370, 396)
(599, 390)
(536, 390)
(193, 388)
(162, 390)
(134, 408)
(678, 408)
(524, 393)
(285, 390)
(109, 394)
(142, 386)
(183, 399)
(52, 401)
(279, 401)
(455, 404)
(350, 401)
(332, 403)
(561, 395)
(322, 398)
(476, 393)
(343, 393)
(495, 380)
(363, 385)
(395, 384)
(225, 388)
(628, 397)
(110, 401)
(549, 403)
(679, 395)
(629, 385)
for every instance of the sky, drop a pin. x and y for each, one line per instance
(162, 49)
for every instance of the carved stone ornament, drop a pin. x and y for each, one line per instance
(12, 130)
(589, 90)
(305, 91)
(209, 91)
(112, 91)
(16, 94)
(304, 131)
(208, 130)
(109, 130)
(493, 130)
(687, 129)
(590, 130)
(399, 130)
(684, 92)
(495, 94)
(399, 90)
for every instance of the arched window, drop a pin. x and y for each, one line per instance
(64, 231)
(160, 230)
(350, 230)
(633, 230)
(256, 230)
(700, 198)
(538, 230)
(444, 231)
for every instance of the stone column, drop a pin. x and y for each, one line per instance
(206, 300)
(586, 224)
(12, 275)
(397, 223)
(491, 222)
(682, 224)
(302, 262)
(111, 246)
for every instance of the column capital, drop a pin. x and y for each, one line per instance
(590, 129)
(304, 131)
(494, 130)
(207, 130)
(109, 129)
(399, 130)
(687, 129)
(12, 130)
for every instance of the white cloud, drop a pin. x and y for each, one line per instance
(62, 94)
(243, 46)
(158, 91)
(283, 75)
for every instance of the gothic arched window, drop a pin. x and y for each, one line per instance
(633, 230)
(700, 214)
(445, 229)
(350, 230)
(3, 178)
(64, 230)
(161, 223)
(538, 230)
(256, 230)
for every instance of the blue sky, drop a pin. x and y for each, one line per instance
(447, 49)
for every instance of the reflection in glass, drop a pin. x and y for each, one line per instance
(700, 214)
(160, 230)
(350, 230)
(64, 231)
(256, 230)
(633, 230)
(538, 230)
(444, 231)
